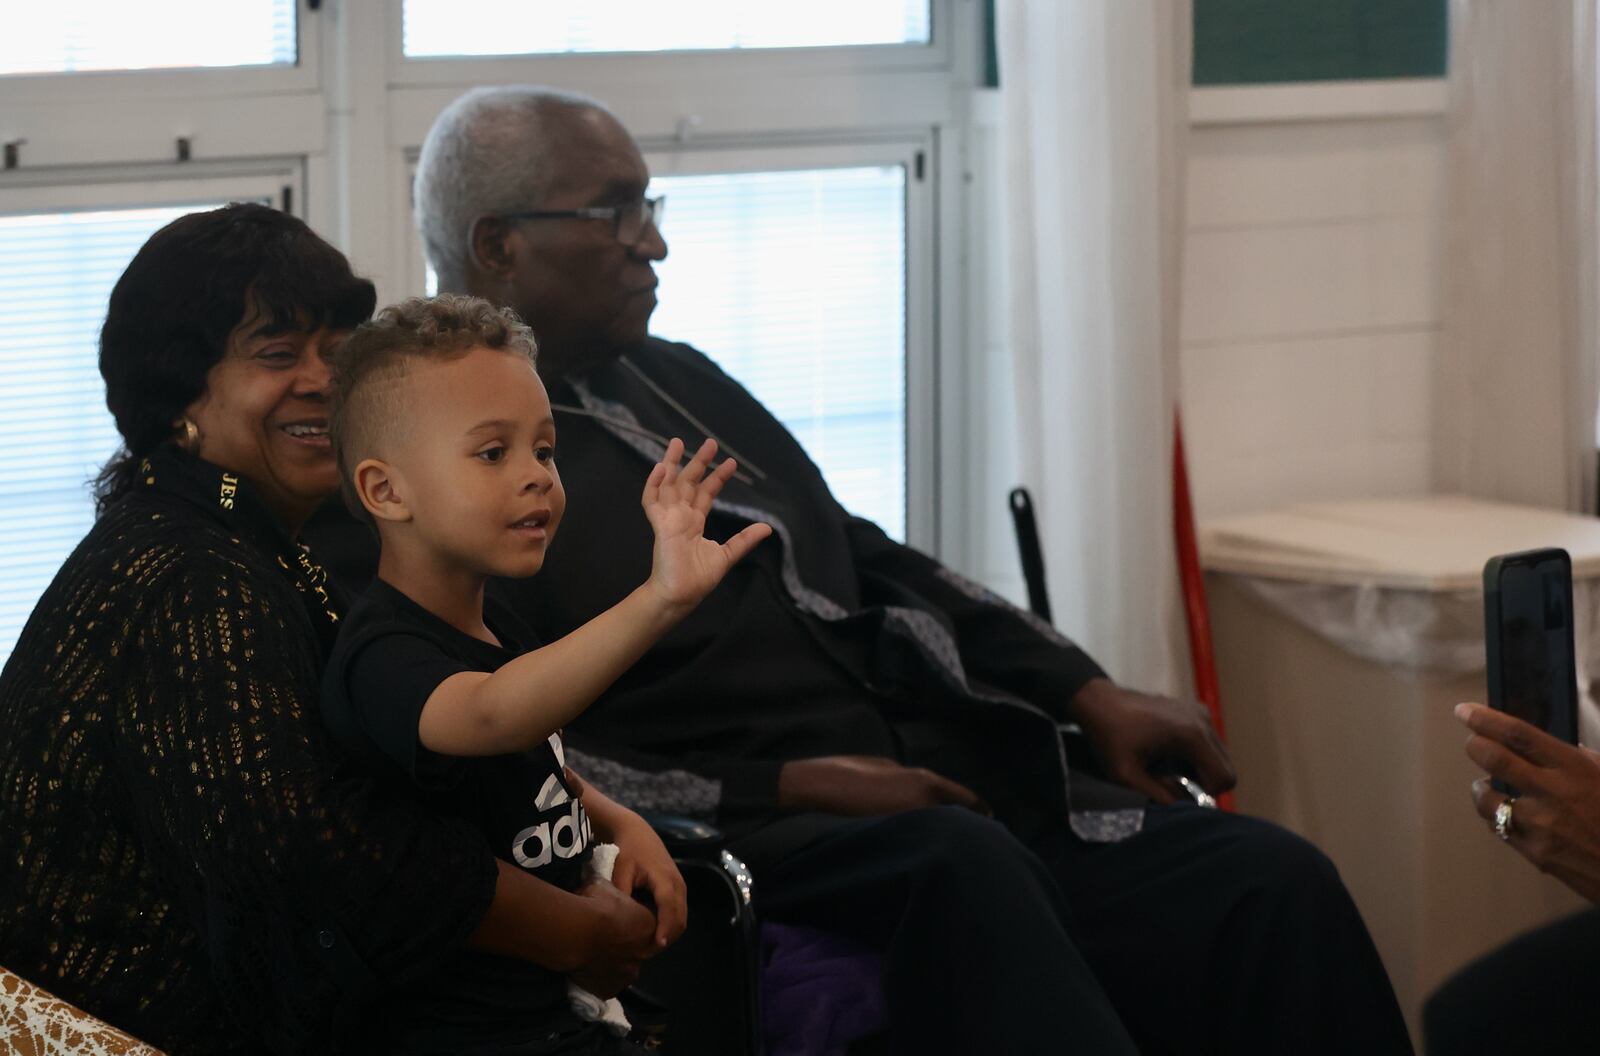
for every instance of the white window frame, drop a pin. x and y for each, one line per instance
(124, 117)
(147, 187)
(414, 270)
(181, 83)
(759, 93)
(652, 67)
(795, 108)
(350, 117)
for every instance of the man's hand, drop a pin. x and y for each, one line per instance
(862, 785)
(687, 565)
(1555, 822)
(1144, 741)
(624, 938)
(643, 864)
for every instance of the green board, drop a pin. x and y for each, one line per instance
(1274, 41)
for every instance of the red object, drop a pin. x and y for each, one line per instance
(1197, 615)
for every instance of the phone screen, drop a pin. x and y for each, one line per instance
(1538, 678)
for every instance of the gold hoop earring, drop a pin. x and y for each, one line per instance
(188, 435)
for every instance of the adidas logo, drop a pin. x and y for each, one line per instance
(538, 845)
(552, 795)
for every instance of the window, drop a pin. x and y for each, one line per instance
(345, 92)
(57, 266)
(795, 283)
(802, 285)
(437, 28)
(71, 36)
(732, 89)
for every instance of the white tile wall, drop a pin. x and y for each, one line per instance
(1310, 309)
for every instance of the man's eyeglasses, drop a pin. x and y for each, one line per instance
(627, 221)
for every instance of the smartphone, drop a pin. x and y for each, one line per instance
(1527, 609)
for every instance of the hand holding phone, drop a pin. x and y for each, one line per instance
(1532, 672)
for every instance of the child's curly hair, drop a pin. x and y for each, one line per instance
(363, 413)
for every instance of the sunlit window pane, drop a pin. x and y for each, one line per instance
(795, 283)
(519, 27)
(56, 274)
(70, 36)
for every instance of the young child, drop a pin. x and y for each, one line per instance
(447, 445)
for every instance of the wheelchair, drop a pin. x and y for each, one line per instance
(704, 995)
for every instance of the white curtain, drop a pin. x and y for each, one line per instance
(1515, 393)
(1094, 119)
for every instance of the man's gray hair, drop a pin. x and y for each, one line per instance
(487, 153)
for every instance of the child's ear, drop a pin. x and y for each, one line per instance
(375, 482)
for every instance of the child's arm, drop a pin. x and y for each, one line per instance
(642, 862)
(521, 704)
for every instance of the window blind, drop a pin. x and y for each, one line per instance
(70, 36)
(434, 28)
(795, 283)
(56, 274)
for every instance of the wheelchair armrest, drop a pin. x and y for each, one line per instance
(686, 837)
(709, 980)
(692, 840)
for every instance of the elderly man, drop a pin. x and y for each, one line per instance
(854, 713)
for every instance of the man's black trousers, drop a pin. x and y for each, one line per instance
(1204, 933)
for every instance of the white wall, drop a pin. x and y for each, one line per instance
(1311, 292)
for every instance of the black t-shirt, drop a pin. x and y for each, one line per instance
(391, 655)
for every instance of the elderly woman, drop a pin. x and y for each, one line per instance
(185, 856)
(1532, 995)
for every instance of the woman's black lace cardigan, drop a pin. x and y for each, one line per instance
(180, 850)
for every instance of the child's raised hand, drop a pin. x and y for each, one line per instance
(687, 565)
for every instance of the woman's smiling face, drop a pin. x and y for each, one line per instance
(264, 415)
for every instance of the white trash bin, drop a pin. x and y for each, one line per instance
(1345, 633)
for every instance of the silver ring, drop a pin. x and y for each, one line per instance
(1196, 793)
(1502, 818)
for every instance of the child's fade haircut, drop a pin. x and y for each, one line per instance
(366, 409)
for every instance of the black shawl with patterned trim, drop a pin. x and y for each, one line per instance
(184, 854)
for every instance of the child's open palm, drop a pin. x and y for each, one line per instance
(687, 565)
